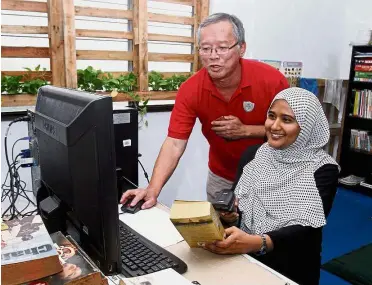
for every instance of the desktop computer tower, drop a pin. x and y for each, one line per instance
(126, 147)
(125, 121)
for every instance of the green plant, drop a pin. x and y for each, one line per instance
(141, 105)
(92, 80)
(123, 83)
(11, 84)
(31, 86)
(176, 80)
(157, 82)
(25, 83)
(89, 79)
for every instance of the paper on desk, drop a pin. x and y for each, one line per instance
(154, 224)
(167, 276)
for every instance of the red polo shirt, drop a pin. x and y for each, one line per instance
(199, 98)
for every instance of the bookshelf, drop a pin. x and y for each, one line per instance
(356, 147)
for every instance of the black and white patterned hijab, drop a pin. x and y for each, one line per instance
(277, 188)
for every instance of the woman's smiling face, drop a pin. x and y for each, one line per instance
(281, 126)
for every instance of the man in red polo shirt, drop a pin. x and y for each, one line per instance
(229, 95)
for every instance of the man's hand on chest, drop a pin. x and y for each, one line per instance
(229, 127)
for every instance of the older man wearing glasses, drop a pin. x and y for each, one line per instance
(230, 96)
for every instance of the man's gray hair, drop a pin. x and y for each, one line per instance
(237, 25)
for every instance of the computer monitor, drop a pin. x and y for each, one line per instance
(75, 136)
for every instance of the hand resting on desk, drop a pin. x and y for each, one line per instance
(139, 194)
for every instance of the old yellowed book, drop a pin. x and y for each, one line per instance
(197, 222)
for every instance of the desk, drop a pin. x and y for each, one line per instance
(211, 269)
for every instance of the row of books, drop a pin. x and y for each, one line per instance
(361, 140)
(362, 103)
(363, 70)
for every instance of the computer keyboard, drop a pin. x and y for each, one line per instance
(140, 256)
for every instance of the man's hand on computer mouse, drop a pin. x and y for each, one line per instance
(139, 194)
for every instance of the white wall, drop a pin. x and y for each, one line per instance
(316, 32)
(189, 179)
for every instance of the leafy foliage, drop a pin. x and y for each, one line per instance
(89, 79)
(157, 82)
(123, 83)
(11, 84)
(33, 85)
(141, 106)
(23, 84)
(92, 80)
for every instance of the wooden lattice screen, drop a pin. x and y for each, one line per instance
(62, 34)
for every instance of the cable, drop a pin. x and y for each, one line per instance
(16, 187)
(130, 181)
(25, 138)
(144, 171)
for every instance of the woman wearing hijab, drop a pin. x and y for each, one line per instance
(285, 190)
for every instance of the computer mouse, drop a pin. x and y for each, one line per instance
(127, 208)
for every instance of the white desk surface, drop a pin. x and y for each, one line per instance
(212, 269)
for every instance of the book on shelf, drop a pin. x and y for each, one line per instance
(362, 105)
(27, 247)
(358, 79)
(361, 140)
(197, 222)
(78, 269)
(363, 69)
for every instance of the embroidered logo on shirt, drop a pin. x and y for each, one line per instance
(248, 106)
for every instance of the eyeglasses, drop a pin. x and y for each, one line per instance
(219, 50)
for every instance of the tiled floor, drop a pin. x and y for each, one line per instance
(349, 227)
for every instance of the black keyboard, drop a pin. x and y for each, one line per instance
(139, 256)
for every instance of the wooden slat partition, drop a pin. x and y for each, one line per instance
(104, 34)
(103, 13)
(69, 43)
(47, 75)
(183, 2)
(27, 6)
(24, 52)
(62, 36)
(56, 42)
(29, 100)
(203, 13)
(118, 73)
(10, 29)
(104, 55)
(196, 14)
(169, 57)
(170, 38)
(170, 74)
(162, 18)
(141, 45)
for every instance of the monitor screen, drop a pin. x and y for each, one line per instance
(75, 138)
